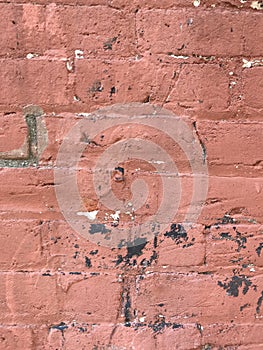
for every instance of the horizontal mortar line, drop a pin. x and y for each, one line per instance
(89, 323)
(59, 273)
(168, 174)
(217, 273)
(214, 275)
(47, 220)
(83, 115)
(129, 59)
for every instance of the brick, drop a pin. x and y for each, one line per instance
(189, 252)
(243, 138)
(184, 32)
(253, 87)
(8, 29)
(13, 135)
(242, 336)
(95, 299)
(28, 192)
(56, 29)
(33, 82)
(233, 149)
(167, 4)
(191, 298)
(224, 196)
(145, 338)
(133, 80)
(64, 250)
(81, 335)
(12, 337)
(236, 246)
(252, 48)
(88, 30)
(20, 246)
(30, 298)
(208, 88)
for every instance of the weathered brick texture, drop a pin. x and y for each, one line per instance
(197, 288)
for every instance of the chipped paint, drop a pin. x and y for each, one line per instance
(257, 5)
(91, 215)
(79, 54)
(252, 63)
(196, 3)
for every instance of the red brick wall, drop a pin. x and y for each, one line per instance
(199, 288)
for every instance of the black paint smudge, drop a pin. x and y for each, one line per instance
(236, 282)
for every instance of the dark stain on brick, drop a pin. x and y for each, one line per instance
(126, 305)
(98, 228)
(136, 248)
(239, 239)
(146, 262)
(87, 262)
(158, 327)
(96, 87)
(61, 327)
(259, 249)
(94, 252)
(112, 91)
(226, 220)
(119, 260)
(242, 307)
(259, 303)
(177, 233)
(108, 44)
(82, 329)
(233, 285)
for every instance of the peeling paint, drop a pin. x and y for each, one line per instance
(196, 3)
(253, 63)
(91, 215)
(257, 5)
(79, 54)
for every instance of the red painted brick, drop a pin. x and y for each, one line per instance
(16, 337)
(29, 192)
(30, 298)
(240, 336)
(204, 87)
(193, 298)
(167, 4)
(33, 82)
(252, 47)
(173, 255)
(8, 29)
(88, 29)
(184, 32)
(95, 299)
(233, 149)
(224, 196)
(134, 81)
(20, 245)
(253, 87)
(13, 135)
(235, 247)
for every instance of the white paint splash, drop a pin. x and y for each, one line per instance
(253, 63)
(91, 215)
(79, 54)
(257, 5)
(196, 3)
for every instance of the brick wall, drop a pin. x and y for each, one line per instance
(200, 60)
